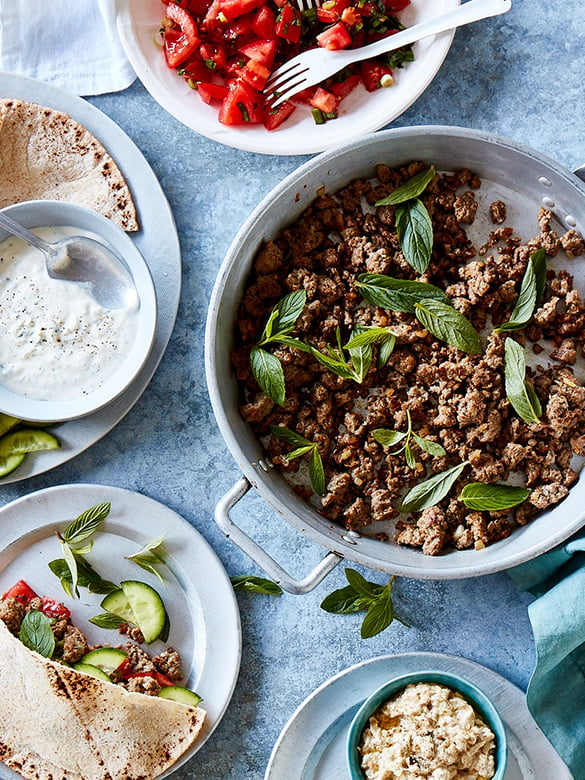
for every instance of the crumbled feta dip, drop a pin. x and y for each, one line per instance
(427, 732)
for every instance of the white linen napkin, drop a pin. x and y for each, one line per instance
(72, 44)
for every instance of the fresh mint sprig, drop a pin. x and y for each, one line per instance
(151, 556)
(414, 227)
(520, 393)
(394, 294)
(303, 447)
(266, 368)
(72, 539)
(36, 633)
(531, 292)
(432, 490)
(360, 595)
(389, 438)
(253, 584)
(482, 497)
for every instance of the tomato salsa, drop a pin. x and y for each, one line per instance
(227, 49)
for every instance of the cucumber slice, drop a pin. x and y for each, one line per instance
(105, 658)
(9, 463)
(180, 694)
(27, 440)
(148, 608)
(7, 422)
(117, 603)
(93, 671)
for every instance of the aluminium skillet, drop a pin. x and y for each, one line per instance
(525, 180)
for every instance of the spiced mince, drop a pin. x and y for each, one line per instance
(455, 399)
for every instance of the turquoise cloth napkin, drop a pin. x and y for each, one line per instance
(556, 691)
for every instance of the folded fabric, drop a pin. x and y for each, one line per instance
(556, 691)
(73, 45)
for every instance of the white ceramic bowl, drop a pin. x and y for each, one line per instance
(46, 213)
(361, 112)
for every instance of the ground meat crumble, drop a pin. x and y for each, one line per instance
(452, 398)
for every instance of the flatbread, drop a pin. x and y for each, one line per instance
(60, 724)
(47, 155)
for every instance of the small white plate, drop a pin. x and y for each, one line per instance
(312, 744)
(362, 112)
(198, 595)
(157, 241)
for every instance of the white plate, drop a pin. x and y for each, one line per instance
(157, 240)
(312, 744)
(362, 112)
(203, 612)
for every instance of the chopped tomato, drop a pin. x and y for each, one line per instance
(288, 24)
(161, 679)
(179, 44)
(195, 70)
(260, 51)
(327, 15)
(336, 37)
(264, 23)
(213, 55)
(21, 591)
(343, 88)
(392, 6)
(255, 74)
(242, 106)
(304, 96)
(232, 8)
(210, 92)
(54, 609)
(325, 101)
(274, 117)
(195, 7)
(372, 74)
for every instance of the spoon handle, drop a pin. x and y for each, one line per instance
(18, 230)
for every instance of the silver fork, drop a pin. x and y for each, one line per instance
(313, 66)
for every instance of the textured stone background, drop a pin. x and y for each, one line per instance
(520, 76)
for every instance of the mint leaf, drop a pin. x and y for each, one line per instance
(492, 498)
(268, 372)
(393, 294)
(432, 490)
(254, 584)
(520, 394)
(415, 234)
(449, 325)
(86, 523)
(379, 615)
(412, 188)
(387, 437)
(36, 634)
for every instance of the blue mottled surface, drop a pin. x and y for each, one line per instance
(520, 76)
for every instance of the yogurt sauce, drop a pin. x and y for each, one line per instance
(56, 341)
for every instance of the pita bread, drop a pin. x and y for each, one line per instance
(60, 724)
(47, 155)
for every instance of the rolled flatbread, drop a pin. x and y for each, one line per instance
(60, 724)
(47, 155)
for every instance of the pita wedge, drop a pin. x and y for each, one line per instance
(60, 724)
(47, 155)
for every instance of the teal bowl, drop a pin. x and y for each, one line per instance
(477, 698)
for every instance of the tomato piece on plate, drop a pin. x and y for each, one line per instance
(54, 609)
(195, 7)
(195, 70)
(343, 88)
(21, 591)
(264, 23)
(179, 44)
(242, 106)
(255, 74)
(288, 24)
(327, 15)
(325, 101)
(262, 51)
(274, 117)
(372, 74)
(213, 55)
(209, 91)
(161, 679)
(395, 5)
(232, 8)
(335, 37)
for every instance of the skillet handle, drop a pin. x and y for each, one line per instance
(259, 555)
(580, 172)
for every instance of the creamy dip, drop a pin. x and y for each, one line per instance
(427, 732)
(56, 341)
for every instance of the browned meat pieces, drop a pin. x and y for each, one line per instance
(455, 400)
(12, 612)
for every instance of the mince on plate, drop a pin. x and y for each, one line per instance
(409, 382)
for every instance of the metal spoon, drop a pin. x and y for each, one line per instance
(83, 260)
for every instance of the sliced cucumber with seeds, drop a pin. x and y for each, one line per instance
(180, 694)
(7, 423)
(105, 658)
(9, 463)
(117, 603)
(93, 671)
(148, 608)
(27, 440)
